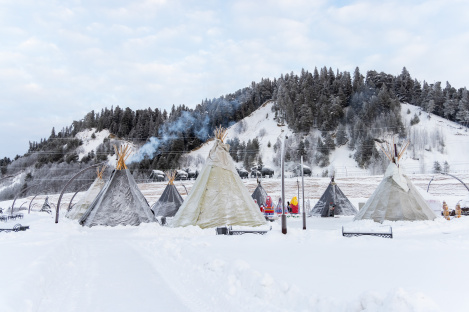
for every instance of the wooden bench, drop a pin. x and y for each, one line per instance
(379, 234)
(18, 227)
(228, 230)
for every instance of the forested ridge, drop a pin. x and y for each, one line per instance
(347, 108)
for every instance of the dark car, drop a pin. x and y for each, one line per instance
(243, 173)
(267, 172)
(181, 175)
(306, 171)
(255, 172)
(261, 171)
(191, 173)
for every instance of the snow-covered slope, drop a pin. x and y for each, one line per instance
(427, 134)
(261, 125)
(425, 137)
(91, 144)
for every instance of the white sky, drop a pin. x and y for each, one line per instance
(62, 59)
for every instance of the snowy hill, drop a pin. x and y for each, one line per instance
(261, 125)
(435, 139)
(91, 144)
(432, 139)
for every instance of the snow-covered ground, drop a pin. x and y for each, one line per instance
(66, 267)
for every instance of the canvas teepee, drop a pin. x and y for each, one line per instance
(170, 200)
(395, 198)
(218, 196)
(333, 196)
(77, 211)
(120, 202)
(259, 194)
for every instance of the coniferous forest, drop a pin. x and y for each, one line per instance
(347, 108)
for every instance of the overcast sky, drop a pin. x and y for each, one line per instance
(62, 59)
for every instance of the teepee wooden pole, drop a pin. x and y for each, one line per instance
(403, 150)
(385, 153)
(221, 133)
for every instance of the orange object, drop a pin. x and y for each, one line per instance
(458, 210)
(445, 211)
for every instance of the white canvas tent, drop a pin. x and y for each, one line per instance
(77, 211)
(395, 198)
(218, 196)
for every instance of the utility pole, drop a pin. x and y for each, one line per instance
(303, 189)
(284, 217)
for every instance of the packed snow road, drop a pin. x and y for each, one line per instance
(66, 267)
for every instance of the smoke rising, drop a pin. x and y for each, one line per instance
(188, 123)
(198, 123)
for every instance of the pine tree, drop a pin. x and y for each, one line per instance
(445, 167)
(463, 108)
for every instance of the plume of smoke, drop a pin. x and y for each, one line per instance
(195, 122)
(146, 150)
(171, 131)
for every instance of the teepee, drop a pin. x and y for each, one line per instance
(120, 202)
(395, 198)
(218, 196)
(77, 211)
(259, 194)
(170, 200)
(333, 196)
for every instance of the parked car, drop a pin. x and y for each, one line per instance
(267, 172)
(192, 173)
(157, 175)
(255, 172)
(243, 173)
(306, 171)
(261, 171)
(181, 175)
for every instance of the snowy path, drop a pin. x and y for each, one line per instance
(83, 272)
